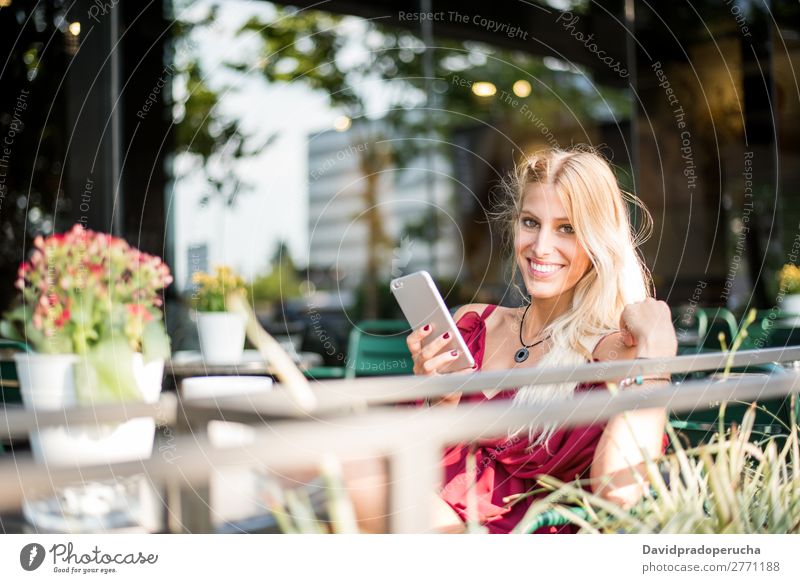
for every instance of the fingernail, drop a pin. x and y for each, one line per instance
(426, 327)
(454, 353)
(446, 335)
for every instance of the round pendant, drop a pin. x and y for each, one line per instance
(521, 355)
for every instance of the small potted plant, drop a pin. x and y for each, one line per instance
(789, 288)
(89, 308)
(221, 332)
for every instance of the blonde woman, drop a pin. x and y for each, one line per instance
(589, 301)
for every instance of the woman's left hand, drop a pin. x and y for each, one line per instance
(647, 325)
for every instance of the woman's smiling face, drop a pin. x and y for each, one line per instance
(548, 253)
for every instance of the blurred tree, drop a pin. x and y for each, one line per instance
(344, 58)
(280, 284)
(33, 130)
(212, 141)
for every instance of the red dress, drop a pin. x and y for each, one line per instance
(509, 466)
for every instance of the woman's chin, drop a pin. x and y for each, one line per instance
(541, 290)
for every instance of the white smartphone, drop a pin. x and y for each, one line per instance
(422, 304)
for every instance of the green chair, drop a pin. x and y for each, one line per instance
(375, 348)
(324, 373)
(772, 416)
(781, 336)
(757, 333)
(691, 325)
(698, 427)
(553, 518)
(9, 382)
(378, 348)
(771, 329)
(719, 320)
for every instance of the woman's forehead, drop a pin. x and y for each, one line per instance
(543, 200)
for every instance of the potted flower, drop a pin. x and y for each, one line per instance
(221, 332)
(89, 308)
(789, 288)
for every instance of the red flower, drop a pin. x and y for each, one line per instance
(96, 268)
(63, 318)
(139, 311)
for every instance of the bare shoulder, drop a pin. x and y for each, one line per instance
(503, 319)
(611, 347)
(500, 318)
(467, 308)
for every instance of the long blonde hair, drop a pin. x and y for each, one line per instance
(596, 207)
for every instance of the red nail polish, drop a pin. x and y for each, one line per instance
(446, 335)
(475, 366)
(426, 327)
(454, 352)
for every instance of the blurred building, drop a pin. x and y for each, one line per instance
(361, 203)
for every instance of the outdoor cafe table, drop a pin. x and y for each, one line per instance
(190, 363)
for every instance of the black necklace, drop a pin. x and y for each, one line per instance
(522, 354)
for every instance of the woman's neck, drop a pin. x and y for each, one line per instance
(541, 313)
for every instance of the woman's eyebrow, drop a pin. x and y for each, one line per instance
(533, 216)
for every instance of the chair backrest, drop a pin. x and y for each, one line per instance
(772, 420)
(772, 416)
(378, 348)
(772, 329)
(9, 385)
(691, 324)
(9, 382)
(719, 320)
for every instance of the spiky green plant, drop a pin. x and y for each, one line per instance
(741, 335)
(294, 510)
(727, 486)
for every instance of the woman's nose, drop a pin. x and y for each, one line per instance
(543, 244)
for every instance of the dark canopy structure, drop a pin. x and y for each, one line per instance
(713, 86)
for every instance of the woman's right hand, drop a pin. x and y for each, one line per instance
(436, 356)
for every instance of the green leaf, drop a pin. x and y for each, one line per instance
(18, 326)
(7, 330)
(155, 342)
(105, 374)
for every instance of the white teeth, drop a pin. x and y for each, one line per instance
(545, 268)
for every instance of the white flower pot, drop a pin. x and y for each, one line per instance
(791, 304)
(47, 383)
(221, 337)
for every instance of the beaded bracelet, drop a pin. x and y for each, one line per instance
(639, 380)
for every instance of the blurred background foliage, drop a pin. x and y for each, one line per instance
(425, 95)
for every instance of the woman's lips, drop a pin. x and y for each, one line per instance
(552, 269)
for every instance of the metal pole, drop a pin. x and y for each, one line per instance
(630, 45)
(429, 72)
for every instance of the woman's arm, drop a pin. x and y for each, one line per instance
(647, 332)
